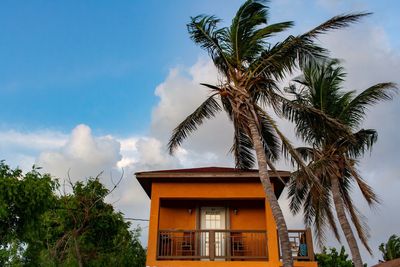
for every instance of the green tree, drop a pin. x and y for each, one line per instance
(391, 249)
(250, 68)
(41, 228)
(24, 198)
(333, 153)
(333, 258)
(84, 230)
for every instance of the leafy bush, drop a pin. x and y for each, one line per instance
(39, 227)
(391, 250)
(333, 258)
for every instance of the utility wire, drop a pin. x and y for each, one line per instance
(136, 219)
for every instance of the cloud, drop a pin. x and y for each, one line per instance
(82, 155)
(21, 148)
(179, 95)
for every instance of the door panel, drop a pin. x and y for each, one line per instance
(213, 218)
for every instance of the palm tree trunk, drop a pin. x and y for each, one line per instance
(348, 232)
(270, 194)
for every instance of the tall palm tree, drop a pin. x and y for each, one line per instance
(249, 68)
(333, 154)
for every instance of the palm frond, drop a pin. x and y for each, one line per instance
(203, 31)
(354, 112)
(336, 22)
(306, 153)
(242, 149)
(312, 124)
(283, 57)
(269, 138)
(367, 191)
(332, 222)
(263, 91)
(212, 87)
(272, 29)
(359, 222)
(359, 142)
(316, 206)
(206, 110)
(244, 47)
(297, 192)
(288, 149)
(227, 105)
(323, 218)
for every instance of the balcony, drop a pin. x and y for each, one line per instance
(301, 245)
(225, 245)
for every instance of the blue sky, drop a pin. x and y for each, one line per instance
(91, 86)
(98, 62)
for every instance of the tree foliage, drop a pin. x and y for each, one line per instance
(332, 152)
(40, 227)
(391, 249)
(333, 258)
(87, 231)
(24, 199)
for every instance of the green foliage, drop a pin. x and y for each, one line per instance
(84, 229)
(333, 258)
(391, 249)
(24, 198)
(333, 149)
(41, 228)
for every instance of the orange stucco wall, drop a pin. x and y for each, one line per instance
(226, 264)
(174, 214)
(177, 214)
(165, 213)
(250, 215)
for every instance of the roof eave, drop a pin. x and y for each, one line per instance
(146, 178)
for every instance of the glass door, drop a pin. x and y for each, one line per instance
(213, 218)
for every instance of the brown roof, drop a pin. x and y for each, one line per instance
(202, 169)
(209, 174)
(392, 263)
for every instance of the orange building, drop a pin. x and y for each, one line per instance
(216, 217)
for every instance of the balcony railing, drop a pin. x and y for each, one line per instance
(212, 245)
(301, 245)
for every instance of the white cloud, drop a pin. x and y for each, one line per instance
(21, 148)
(180, 94)
(82, 155)
(37, 140)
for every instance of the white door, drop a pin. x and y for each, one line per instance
(213, 218)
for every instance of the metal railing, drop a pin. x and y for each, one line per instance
(212, 245)
(301, 245)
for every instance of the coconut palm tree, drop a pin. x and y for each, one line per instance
(332, 154)
(249, 69)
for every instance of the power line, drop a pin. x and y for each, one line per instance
(136, 219)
